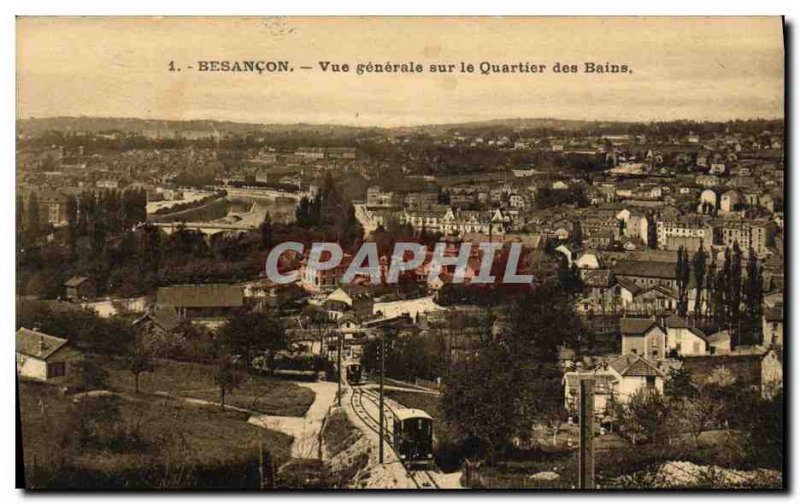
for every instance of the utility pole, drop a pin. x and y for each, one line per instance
(380, 405)
(586, 422)
(339, 394)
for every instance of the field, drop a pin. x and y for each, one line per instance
(129, 442)
(257, 393)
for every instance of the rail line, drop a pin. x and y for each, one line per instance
(423, 479)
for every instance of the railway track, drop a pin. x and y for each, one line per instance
(423, 479)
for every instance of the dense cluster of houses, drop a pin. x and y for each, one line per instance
(620, 238)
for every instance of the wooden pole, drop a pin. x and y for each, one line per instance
(380, 405)
(586, 448)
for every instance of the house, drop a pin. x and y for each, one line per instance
(761, 370)
(44, 357)
(730, 201)
(615, 380)
(625, 290)
(201, 301)
(772, 325)
(158, 322)
(405, 307)
(80, 288)
(719, 342)
(597, 284)
(634, 373)
(708, 199)
(359, 298)
(569, 251)
(654, 300)
(643, 336)
(647, 273)
(683, 339)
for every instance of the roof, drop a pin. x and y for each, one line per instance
(630, 285)
(697, 332)
(718, 337)
(650, 269)
(596, 277)
(635, 365)
(635, 325)
(675, 322)
(409, 413)
(774, 314)
(358, 291)
(336, 305)
(38, 344)
(164, 316)
(200, 296)
(657, 289)
(75, 281)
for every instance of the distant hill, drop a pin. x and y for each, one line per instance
(168, 128)
(207, 128)
(511, 124)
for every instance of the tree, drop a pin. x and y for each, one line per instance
(722, 292)
(91, 375)
(72, 224)
(266, 231)
(478, 400)
(753, 300)
(540, 322)
(33, 215)
(679, 385)
(247, 333)
(711, 297)
(139, 360)
(699, 267)
(697, 413)
(734, 299)
(763, 424)
(227, 375)
(682, 274)
(644, 416)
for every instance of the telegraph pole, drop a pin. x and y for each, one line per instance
(380, 405)
(586, 422)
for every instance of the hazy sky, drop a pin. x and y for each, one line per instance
(693, 68)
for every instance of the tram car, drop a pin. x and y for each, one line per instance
(353, 373)
(413, 437)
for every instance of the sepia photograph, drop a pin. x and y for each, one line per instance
(353, 253)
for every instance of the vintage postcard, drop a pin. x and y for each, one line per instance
(436, 253)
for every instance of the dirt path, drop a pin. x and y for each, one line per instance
(306, 429)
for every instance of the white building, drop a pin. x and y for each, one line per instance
(45, 358)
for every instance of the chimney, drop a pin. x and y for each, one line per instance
(42, 346)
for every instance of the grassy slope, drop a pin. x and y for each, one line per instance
(258, 393)
(339, 433)
(175, 433)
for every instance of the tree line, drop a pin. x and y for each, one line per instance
(728, 296)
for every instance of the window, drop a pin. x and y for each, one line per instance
(651, 382)
(56, 369)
